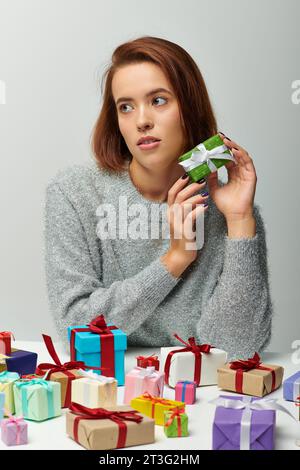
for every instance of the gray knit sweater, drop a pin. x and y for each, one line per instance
(222, 298)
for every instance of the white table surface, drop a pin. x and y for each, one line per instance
(51, 434)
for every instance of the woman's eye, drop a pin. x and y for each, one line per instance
(121, 108)
(160, 98)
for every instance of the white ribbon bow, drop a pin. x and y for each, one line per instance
(143, 372)
(202, 155)
(246, 405)
(100, 378)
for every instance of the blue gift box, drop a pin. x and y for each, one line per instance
(291, 387)
(88, 350)
(23, 362)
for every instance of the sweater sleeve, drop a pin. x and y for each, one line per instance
(237, 317)
(76, 294)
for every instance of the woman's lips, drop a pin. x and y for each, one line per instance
(149, 146)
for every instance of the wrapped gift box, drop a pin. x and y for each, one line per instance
(5, 342)
(291, 387)
(112, 432)
(7, 380)
(66, 380)
(258, 381)
(64, 373)
(140, 380)
(206, 158)
(230, 427)
(95, 391)
(23, 362)
(2, 400)
(105, 348)
(154, 407)
(14, 431)
(37, 399)
(183, 365)
(148, 361)
(175, 423)
(185, 391)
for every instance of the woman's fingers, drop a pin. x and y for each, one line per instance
(177, 186)
(189, 191)
(179, 192)
(240, 154)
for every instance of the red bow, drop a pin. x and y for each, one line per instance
(5, 336)
(176, 414)
(98, 326)
(101, 413)
(59, 367)
(154, 400)
(245, 366)
(197, 349)
(145, 361)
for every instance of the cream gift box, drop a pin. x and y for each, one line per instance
(94, 391)
(182, 364)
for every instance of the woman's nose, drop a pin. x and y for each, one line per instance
(144, 119)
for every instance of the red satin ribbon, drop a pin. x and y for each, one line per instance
(176, 414)
(197, 349)
(98, 326)
(148, 361)
(5, 336)
(101, 413)
(245, 366)
(59, 367)
(154, 400)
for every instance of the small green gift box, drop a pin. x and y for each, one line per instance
(176, 423)
(206, 158)
(37, 399)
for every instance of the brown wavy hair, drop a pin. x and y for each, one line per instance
(196, 114)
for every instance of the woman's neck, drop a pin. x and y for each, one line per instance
(154, 185)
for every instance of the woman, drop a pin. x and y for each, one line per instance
(153, 287)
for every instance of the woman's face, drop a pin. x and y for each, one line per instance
(142, 114)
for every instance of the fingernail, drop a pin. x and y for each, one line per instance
(202, 181)
(205, 204)
(185, 176)
(234, 148)
(222, 133)
(204, 194)
(227, 138)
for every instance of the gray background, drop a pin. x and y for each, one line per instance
(52, 55)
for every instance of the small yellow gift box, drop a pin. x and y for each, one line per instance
(154, 407)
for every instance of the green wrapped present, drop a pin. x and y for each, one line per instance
(176, 423)
(37, 399)
(206, 158)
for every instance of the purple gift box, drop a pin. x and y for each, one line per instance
(14, 431)
(227, 427)
(23, 362)
(291, 387)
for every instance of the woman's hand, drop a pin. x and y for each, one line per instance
(183, 209)
(235, 199)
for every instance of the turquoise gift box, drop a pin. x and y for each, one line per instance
(37, 399)
(90, 346)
